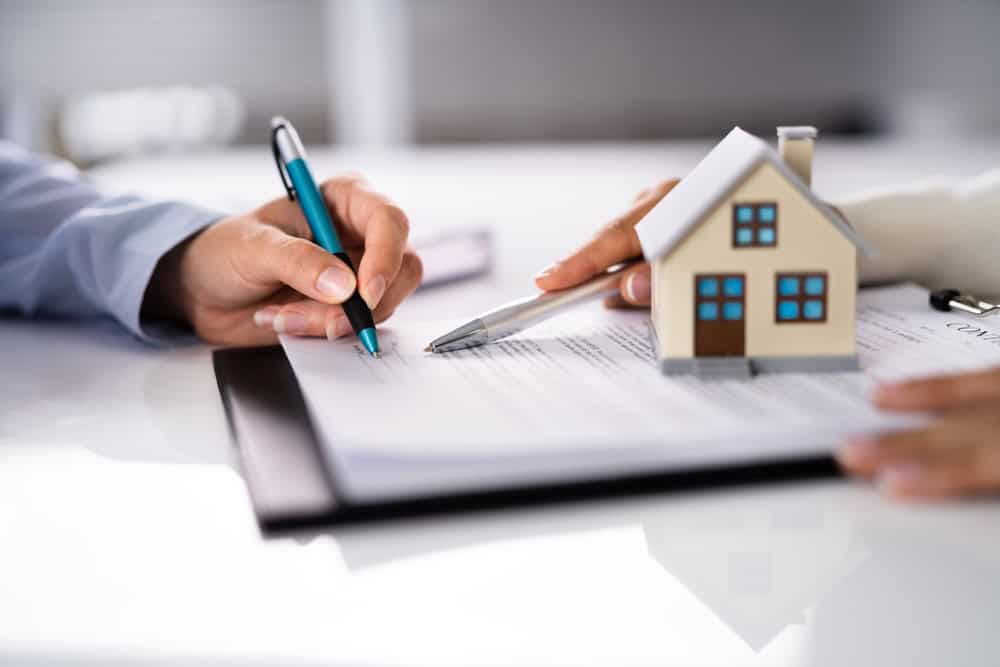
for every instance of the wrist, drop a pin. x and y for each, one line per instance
(164, 300)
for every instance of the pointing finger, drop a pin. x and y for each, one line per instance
(373, 221)
(614, 243)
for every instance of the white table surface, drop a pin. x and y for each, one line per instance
(126, 534)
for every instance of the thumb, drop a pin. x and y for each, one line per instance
(276, 257)
(636, 287)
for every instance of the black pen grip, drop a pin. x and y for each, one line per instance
(355, 307)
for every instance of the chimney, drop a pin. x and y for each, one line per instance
(795, 145)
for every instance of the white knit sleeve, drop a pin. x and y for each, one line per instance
(937, 235)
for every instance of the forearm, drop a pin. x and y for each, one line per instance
(69, 251)
(936, 235)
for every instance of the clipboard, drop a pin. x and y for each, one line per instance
(293, 488)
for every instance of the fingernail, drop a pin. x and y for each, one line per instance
(338, 328)
(290, 323)
(899, 478)
(265, 316)
(857, 452)
(373, 290)
(637, 287)
(547, 270)
(338, 284)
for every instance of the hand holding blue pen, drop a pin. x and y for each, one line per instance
(243, 278)
(301, 187)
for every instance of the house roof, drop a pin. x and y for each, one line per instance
(711, 181)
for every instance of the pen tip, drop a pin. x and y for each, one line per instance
(377, 354)
(278, 121)
(428, 349)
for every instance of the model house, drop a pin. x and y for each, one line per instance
(752, 273)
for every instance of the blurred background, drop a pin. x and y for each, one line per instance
(376, 73)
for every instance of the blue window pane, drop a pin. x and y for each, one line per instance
(765, 214)
(708, 287)
(744, 213)
(765, 236)
(788, 310)
(732, 286)
(815, 285)
(813, 310)
(788, 286)
(708, 311)
(732, 310)
(744, 236)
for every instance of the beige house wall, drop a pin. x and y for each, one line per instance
(806, 242)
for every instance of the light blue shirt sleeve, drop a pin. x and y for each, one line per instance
(67, 250)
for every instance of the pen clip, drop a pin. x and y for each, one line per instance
(285, 180)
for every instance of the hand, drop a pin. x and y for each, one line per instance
(957, 454)
(247, 278)
(614, 243)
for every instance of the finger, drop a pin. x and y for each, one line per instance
(408, 279)
(250, 326)
(614, 243)
(235, 328)
(941, 392)
(410, 274)
(960, 472)
(636, 285)
(264, 317)
(364, 218)
(956, 431)
(304, 318)
(962, 455)
(270, 256)
(644, 193)
(287, 216)
(298, 318)
(864, 455)
(246, 334)
(373, 220)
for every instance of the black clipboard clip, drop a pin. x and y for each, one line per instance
(952, 299)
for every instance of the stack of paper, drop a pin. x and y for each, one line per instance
(581, 397)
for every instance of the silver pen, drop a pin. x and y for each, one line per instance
(517, 316)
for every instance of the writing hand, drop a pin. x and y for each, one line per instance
(251, 276)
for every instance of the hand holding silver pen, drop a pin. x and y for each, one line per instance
(571, 282)
(517, 316)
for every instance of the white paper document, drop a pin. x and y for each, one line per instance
(581, 396)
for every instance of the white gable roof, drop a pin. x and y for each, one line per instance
(710, 182)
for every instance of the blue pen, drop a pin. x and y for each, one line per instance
(299, 184)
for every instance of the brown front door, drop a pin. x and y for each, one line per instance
(719, 314)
